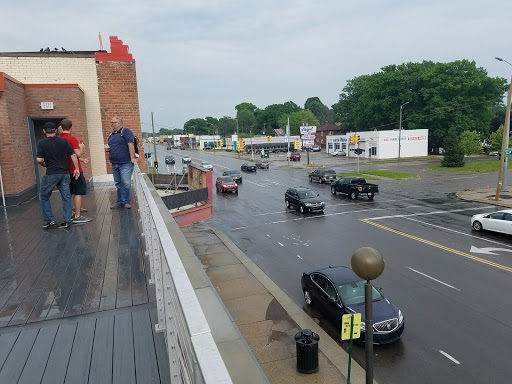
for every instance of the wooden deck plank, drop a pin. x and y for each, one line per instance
(6, 343)
(92, 299)
(109, 287)
(52, 258)
(124, 361)
(101, 360)
(13, 366)
(146, 366)
(160, 350)
(138, 269)
(58, 360)
(38, 358)
(79, 361)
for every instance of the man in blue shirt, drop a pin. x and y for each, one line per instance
(122, 157)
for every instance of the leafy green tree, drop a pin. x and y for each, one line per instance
(470, 143)
(440, 96)
(320, 110)
(246, 121)
(453, 152)
(196, 126)
(245, 106)
(297, 119)
(496, 140)
(226, 126)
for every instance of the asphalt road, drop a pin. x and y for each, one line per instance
(455, 300)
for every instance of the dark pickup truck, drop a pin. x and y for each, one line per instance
(354, 186)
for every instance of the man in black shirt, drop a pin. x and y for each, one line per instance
(52, 153)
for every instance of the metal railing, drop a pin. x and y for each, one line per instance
(193, 354)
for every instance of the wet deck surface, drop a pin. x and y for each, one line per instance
(75, 306)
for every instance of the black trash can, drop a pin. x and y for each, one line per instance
(306, 342)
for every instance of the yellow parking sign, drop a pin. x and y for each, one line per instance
(356, 327)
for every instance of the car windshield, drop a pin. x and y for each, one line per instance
(230, 172)
(205, 163)
(250, 165)
(306, 194)
(226, 180)
(353, 293)
(330, 172)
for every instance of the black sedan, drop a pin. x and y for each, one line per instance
(337, 291)
(169, 160)
(234, 174)
(248, 167)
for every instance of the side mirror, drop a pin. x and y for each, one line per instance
(317, 194)
(487, 216)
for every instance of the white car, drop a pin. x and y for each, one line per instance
(499, 221)
(207, 165)
(339, 153)
(186, 159)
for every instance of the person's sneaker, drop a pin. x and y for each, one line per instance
(128, 206)
(49, 224)
(64, 224)
(80, 219)
(116, 206)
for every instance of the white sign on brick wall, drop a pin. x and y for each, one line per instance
(46, 105)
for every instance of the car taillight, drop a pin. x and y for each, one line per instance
(360, 189)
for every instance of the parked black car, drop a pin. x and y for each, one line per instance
(323, 176)
(169, 160)
(248, 167)
(234, 174)
(336, 291)
(169, 147)
(305, 199)
(354, 186)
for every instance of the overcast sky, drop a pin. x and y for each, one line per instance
(198, 58)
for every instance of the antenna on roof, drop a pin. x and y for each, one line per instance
(101, 43)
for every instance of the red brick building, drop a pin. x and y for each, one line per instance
(325, 130)
(87, 87)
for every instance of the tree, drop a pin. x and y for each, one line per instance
(196, 126)
(245, 106)
(496, 140)
(470, 143)
(441, 96)
(320, 110)
(453, 153)
(296, 120)
(246, 121)
(226, 126)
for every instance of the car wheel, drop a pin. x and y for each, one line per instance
(353, 195)
(333, 191)
(236, 192)
(310, 179)
(477, 226)
(371, 196)
(302, 209)
(287, 204)
(307, 298)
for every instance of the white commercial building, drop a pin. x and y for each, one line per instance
(381, 144)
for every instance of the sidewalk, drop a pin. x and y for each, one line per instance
(484, 195)
(266, 317)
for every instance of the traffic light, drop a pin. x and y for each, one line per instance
(358, 151)
(352, 139)
(243, 144)
(269, 138)
(357, 138)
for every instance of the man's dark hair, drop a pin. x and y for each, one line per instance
(66, 124)
(49, 127)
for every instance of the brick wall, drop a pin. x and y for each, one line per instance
(61, 68)
(69, 100)
(15, 152)
(117, 86)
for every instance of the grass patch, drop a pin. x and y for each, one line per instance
(379, 175)
(475, 166)
(404, 159)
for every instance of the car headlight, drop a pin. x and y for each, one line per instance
(308, 204)
(322, 203)
(400, 317)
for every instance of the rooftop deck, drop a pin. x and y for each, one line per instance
(75, 306)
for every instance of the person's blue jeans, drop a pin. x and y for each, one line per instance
(123, 180)
(61, 181)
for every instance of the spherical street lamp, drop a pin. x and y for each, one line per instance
(368, 264)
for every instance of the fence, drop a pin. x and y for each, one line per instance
(193, 354)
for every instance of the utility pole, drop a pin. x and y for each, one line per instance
(252, 148)
(502, 175)
(238, 139)
(400, 131)
(154, 142)
(288, 140)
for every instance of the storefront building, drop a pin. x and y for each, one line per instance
(381, 144)
(89, 88)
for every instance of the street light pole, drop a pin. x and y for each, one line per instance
(154, 142)
(400, 131)
(502, 176)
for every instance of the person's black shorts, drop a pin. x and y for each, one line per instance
(78, 186)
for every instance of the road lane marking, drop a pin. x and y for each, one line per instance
(280, 244)
(268, 235)
(300, 257)
(425, 213)
(430, 277)
(252, 182)
(466, 255)
(459, 232)
(449, 357)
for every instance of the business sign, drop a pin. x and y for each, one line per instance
(46, 105)
(308, 132)
(234, 138)
(508, 152)
(308, 143)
